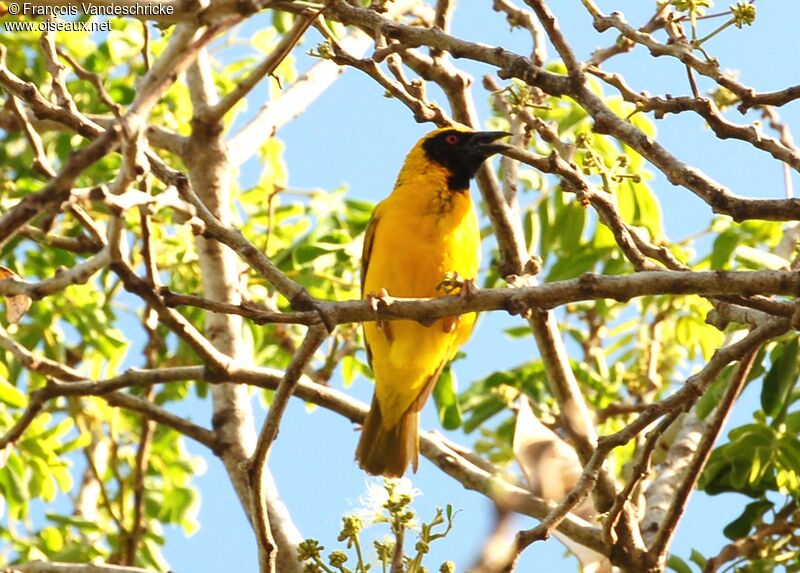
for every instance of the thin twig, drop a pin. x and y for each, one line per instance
(164, 417)
(397, 553)
(40, 162)
(639, 471)
(457, 462)
(518, 17)
(783, 524)
(266, 68)
(56, 69)
(93, 79)
(104, 496)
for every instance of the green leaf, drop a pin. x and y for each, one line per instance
(150, 554)
(786, 455)
(723, 248)
(759, 466)
(758, 260)
(306, 253)
(86, 525)
(546, 234)
(42, 483)
(483, 411)
(780, 379)
(348, 370)
(649, 209)
(282, 20)
(530, 226)
(81, 441)
(686, 330)
(518, 331)
(742, 525)
(698, 559)
(626, 199)
(677, 564)
(644, 123)
(181, 500)
(575, 265)
(569, 223)
(792, 422)
(711, 397)
(444, 396)
(10, 394)
(604, 238)
(12, 486)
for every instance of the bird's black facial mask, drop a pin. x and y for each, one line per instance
(462, 153)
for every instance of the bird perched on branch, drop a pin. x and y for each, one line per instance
(422, 241)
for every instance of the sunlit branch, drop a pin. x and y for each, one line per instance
(660, 546)
(739, 284)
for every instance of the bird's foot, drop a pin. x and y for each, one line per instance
(454, 282)
(449, 283)
(377, 301)
(380, 300)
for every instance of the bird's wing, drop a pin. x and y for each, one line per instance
(366, 252)
(420, 400)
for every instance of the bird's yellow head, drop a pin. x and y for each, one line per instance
(457, 152)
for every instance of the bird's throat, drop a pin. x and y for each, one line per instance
(459, 182)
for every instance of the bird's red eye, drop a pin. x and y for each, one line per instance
(451, 139)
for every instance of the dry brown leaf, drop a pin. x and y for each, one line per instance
(16, 305)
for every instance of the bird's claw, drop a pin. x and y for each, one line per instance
(453, 281)
(466, 288)
(449, 283)
(377, 301)
(380, 300)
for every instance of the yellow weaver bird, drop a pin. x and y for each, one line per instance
(425, 230)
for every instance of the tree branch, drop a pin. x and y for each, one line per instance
(658, 550)
(449, 460)
(58, 189)
(257, 462)
(77, 385)
(519, 17)
(520, 300)
(708, 110)
(481, 476)
(164, 417)
(783, 525)
(683, 399)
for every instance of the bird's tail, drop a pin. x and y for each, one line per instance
(384, 451)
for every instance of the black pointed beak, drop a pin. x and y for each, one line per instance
(482, 143)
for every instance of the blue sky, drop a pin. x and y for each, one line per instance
(354, 136)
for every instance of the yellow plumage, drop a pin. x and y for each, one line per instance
(424, 230)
